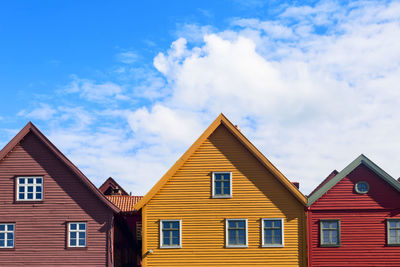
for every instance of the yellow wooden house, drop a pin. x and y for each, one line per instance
(223, 204)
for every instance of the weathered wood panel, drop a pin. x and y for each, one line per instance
(256, 194)
(40, 235)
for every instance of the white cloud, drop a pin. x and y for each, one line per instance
(128, 57)
(43, 112)
(312, 89)
(96, 92)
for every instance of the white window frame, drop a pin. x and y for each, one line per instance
(5, 232)
(162, 237)
(213, 185)
(25, 186)
(263, 233)
(388, 232)
(227, 245)
(77, 231)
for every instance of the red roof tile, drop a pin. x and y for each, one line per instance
(124, 203)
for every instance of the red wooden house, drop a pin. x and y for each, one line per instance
(50, 213)
(354, 218)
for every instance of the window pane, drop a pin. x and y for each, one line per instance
(39, 188)
(73, 235)
(175, 241)
(175, 225)
(30, 189)
(267, 223)
(333, 225)
(166, 225)
(231, 224)
(82, 226)
(10, 227)
(218, 190)
(21, 180)
(2, 227)
(82, 242)
(21, 196)
(166, 240)
(325, 237)
(231, 237)
(72, 226)
(226, 188)
(38, 196)
(10, 236)
(30, 180)
(392, 224)
(277, 237)
(2, 243)
(241, 224)
(38, 180)
(325, 224)
(81, 235)
(72, 242)
(21, 189)
(10, 243)
(242, 237)
(2, 236)
(30, 195)
(334, 237)
(278, 223)
(268, 237)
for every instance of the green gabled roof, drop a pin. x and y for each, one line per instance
(337, 178)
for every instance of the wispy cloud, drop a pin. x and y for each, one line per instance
(128, 57)
(42, 112)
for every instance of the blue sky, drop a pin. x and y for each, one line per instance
(123, 88)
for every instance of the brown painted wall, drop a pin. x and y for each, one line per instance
(40, 235)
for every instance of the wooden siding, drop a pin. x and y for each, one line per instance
(40, 227)
(363, 222)
(256, 194)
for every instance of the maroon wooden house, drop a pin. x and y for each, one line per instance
(127, 226)
(354, 218)
(50, 213)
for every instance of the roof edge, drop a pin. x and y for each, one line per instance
(221, 119)
(30, 127)
(362, 159)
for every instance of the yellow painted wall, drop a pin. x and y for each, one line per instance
(256, 194)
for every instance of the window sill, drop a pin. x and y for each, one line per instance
(329, 246)
(236, 246)
(272, 246)
(76, 248)
(221, 196)
(166, 247)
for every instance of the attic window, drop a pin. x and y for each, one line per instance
(362, 187)
(30, 188)
(221, 184)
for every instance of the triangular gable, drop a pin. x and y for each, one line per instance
(337, 178)
(111, 183)
(222, 120)
(30, 127)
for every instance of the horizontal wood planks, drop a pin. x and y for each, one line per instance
(256, 194)
(41, 227)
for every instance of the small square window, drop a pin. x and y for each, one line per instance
(7, 235)
(329, 233)
(393, 232)
(272, 232)
(76, 234)
(29, 188)
(221, 184)
(236, 233)
(170, 234)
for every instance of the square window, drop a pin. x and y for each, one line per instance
(29, 188)
(330, 233)
(77, 234)
(7, 235)
(393, 232)
(272, 232)
(221, 184)
(236, 233)
(170, 233)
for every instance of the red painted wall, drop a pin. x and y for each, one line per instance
(362, 219)
(40, 235)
